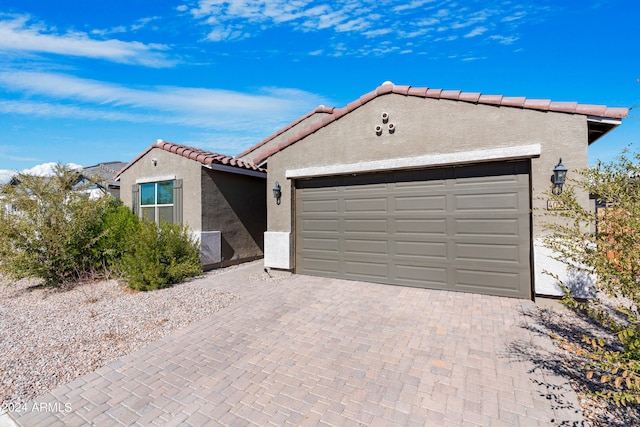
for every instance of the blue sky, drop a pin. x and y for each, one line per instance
(88, 82)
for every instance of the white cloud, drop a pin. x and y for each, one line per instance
(45, 169)
(476, 32)
(412, 5)
(504, 39)
(353, 22)
(5, 175)
(66, 96)
(17, 34)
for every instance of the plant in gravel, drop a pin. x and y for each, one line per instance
(606, 244)
(118, 230)
(161, 256)
(49, 226)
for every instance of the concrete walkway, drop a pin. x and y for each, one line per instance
(315, 351)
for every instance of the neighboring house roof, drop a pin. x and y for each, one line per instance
(602, 118)
(207, 158)
(83, 181)
(105, 172)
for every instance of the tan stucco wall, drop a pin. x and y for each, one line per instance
(235, 205)
(430, 126)
(168, 165)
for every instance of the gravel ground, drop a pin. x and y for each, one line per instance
(49, 337)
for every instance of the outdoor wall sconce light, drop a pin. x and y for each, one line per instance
(558, 177)
(277, 192)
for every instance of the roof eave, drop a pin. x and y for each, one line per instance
(600, 126)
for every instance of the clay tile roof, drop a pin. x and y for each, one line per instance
(321, 109)
(202, 156)
(601, 111)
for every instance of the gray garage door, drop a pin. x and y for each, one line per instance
(458, 228)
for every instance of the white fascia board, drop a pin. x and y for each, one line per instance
(609, 121)
(239, 171)
(493, 154)
(155, 179)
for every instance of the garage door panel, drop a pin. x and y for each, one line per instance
(460, 228)
(420, 203)
(482, 252)
(327, 225)
(424, 227)
(506, 283)
(330, 245)
(486, 227)
(369, 205)
(431, 250)
(320, 266)
(366, 226)
(487, 202)
(368, 246)
(320, 206)
(432, 185)
(363, 270)
(421, 276)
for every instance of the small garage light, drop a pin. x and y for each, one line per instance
(558, 178)
(277, 192)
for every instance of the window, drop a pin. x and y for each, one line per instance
(156, 201)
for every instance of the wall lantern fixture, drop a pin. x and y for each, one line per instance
(277, 192)
(558, 177)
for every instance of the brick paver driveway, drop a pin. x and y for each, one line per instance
(316, 351)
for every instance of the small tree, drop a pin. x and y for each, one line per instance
(51, 228)
(606, 244)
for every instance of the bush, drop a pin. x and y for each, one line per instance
(606, 244)
(118, 230)
(49, 227)
(53, 229)
(160, 256)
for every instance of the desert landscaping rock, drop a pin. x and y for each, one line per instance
(48, 337)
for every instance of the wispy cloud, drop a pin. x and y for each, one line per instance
(66, 96)
(476, 32)
(398, 22)
(120, 29)
(19, 34)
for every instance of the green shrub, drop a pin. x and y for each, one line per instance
(57, 232)
(160, 256)
(51, 229)
(117, 235)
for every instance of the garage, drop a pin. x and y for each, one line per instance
(463, 228)
(426, 187)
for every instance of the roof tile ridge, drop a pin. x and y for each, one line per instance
(418, 91)
(617, 112)
(450, 94)
(433, 93)
(401, 89)
(319, 109)
(489, 99)
(513, 101)
(537, 104)
(472, 97)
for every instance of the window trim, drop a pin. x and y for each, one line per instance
(156, 206)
